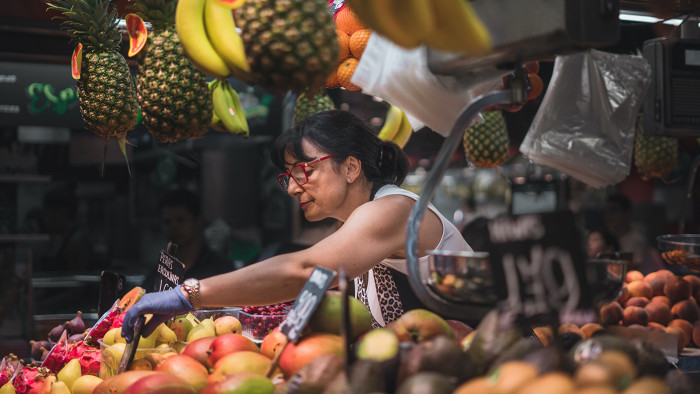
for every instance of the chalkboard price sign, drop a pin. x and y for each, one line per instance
(306, 303)
(170, 272)
(539, 260)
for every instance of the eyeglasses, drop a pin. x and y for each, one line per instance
(298, 173)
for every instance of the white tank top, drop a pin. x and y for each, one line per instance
(450, 240)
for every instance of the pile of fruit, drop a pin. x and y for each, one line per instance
(352, 40)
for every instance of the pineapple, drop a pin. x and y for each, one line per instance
(654, 156)
(486, 144)
(174, 95)
(105, 90)
(290, 44)
(306, 106)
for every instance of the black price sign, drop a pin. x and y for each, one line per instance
(539, 261)
(306, 303)
(170, 272)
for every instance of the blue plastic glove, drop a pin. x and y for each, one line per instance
(163, 305)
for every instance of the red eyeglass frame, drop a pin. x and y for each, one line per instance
(303, 168)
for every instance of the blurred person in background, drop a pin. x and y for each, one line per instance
(600, 241)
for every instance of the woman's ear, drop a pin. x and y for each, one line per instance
(352, 168)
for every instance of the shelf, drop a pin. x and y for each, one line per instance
(23, 238)
(24, 178)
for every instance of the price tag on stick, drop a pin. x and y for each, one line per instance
(170, 270)
(303, 307)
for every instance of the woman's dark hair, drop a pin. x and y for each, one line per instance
(343, 134)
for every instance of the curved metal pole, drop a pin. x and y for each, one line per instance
(688, 193)
(429, 298)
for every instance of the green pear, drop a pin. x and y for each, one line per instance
(113, 336)
(70, 372)
(112, 356)
(85, 384)
(7, 388)
(149, 342)
(181, 327)
(202, 330)
(60, 388)
(192, 319)
(165, 335)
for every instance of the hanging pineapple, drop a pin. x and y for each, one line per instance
(486, 144)
(290, 44)
(105, 91)
(174, 95)
(654, 156)
(307, 106)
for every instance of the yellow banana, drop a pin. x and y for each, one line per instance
(405, 132)
(416, 17)
(390, 26)
(221, 30)
(225, 109)
(239, 114)
(458, 29)
(391, 123)
(189, 23)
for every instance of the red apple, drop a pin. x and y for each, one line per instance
(227, 344)
(273, 342)
(296, 356)
(418, 325)
(460, 329)
(199, 349)
(187, 368)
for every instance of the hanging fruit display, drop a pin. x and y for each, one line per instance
(307, 105)
(352, 39)
(486, 144)
(106, 93)
(654, 156)
(173, 93)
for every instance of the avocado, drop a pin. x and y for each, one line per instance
(439, 354)
(428, 383)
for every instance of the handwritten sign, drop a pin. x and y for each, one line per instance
(539, 261)
(170, 272)
(306, 303)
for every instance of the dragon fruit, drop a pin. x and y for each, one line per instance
(90, 357)
(57, 357)
(104, 324)
(8, 367)
(30, 379)
(119, 320)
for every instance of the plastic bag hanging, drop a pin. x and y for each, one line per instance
(585, 125)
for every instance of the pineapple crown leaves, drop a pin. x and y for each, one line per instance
(160, 13)
(92, 23)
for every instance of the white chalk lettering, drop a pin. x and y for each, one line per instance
(318, 278)
(520, 228)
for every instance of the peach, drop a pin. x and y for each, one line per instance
(696, 333)
(658, 312)
(663, 300)
(637, 301)
(686, 309)
(682, 336)
(570, 328)
(589, 329)
(694, 281)
(652, 275)
(665, 273)
(685, 325)
(656, 327)
(635, 315)
(633, 275)
(611, 313)
(677, 289)
(640, 288)
(624, 295)
(657, 286)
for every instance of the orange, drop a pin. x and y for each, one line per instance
(332, 81)
(345, 71)
(536, 86)
(344, 44)
(358, 42)
(347, 21)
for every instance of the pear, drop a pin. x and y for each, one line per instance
(179, 346)
(112, 356)
(7, 388)
(227, 325)
(85, 384)
(165, 335)
(192, 319)
(181, 327)
(113, 336)
(60, 388)
(70, 372)
(149, 342)
(202, 330)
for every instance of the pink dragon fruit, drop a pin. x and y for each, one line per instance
(119, 320)
(58, 356)
(90, 357)
(104, 324)
(8, 367)
(30, 379)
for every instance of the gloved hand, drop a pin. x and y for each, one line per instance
(163, 305)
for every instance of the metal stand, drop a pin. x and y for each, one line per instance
(515, 95)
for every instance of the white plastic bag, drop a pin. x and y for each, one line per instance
(586, 122)
(401, 77)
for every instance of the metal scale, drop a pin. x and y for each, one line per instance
(549, 28)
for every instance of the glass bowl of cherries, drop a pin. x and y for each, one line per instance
(258, 321)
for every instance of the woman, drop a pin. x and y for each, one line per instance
(334, 166)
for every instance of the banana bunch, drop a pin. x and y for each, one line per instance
(396, 128)
(446, 25)
(208, 34)
(229, 116)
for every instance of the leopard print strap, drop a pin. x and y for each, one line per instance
(387, 294)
